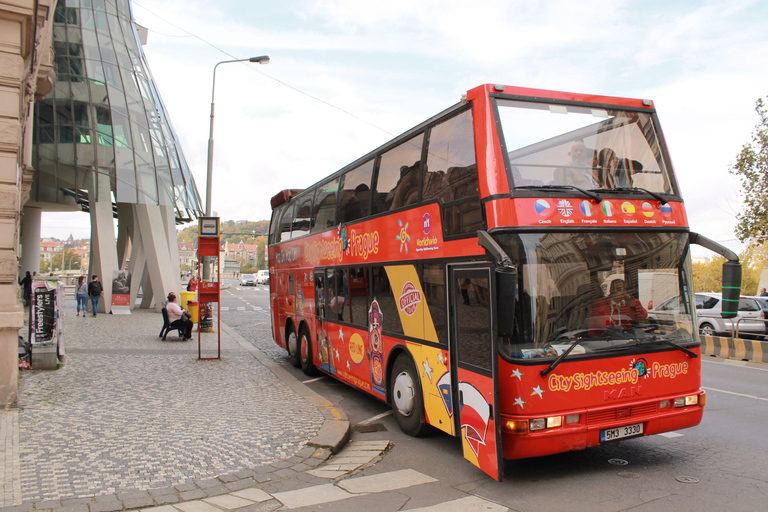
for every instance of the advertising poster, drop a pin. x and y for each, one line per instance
(121, 292)
(44, 313)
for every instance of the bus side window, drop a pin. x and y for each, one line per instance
(324, 212)
(285, 224)
(302, 220)
(383, 294)
(451, 146)
(355, 194)
(433, 284)
(357, 283)
(397, 182)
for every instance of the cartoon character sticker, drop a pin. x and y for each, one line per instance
(375, 347)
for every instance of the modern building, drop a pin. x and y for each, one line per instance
(103, 144)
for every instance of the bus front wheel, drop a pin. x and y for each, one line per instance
(292, 344)
(407, 400)
(305, 353)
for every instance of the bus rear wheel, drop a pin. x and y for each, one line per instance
(407, 400)
(305, 353)
(292, 345)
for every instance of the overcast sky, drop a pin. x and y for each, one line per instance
(348, 75)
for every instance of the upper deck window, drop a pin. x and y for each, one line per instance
(582, 146)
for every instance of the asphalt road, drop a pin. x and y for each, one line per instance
(719, 465)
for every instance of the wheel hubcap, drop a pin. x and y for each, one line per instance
(292, 343)
(405, 392)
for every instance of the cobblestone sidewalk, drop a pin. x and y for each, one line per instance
(131, 418)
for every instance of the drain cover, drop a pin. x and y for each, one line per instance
(687, 479)
(618, 462)
(369, 427)
(627, 474)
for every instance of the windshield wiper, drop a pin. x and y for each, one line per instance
(587, 193)
(560, 358)
(691, 354)
(631, 189)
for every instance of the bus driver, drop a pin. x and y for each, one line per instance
(617, 311)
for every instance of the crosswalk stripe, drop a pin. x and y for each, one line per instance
(241, 308)
(386, 481)
(468, 504)
(225, 308)
(310, 496)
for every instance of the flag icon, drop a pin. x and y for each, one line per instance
(586, 208)
(627, 208)
(565, 208)
(647, 209)
(607, 208)
(542, 207)
(666, 209)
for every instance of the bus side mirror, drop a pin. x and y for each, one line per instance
(506, 292)
(731, 289)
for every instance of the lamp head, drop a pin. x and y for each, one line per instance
(264, 59)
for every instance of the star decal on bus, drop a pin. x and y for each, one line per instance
(403, 237)
(538, 391)
(427, 369)
(441, 358)
(341, 335)
(348, 366)
(519, 401)
(516, 373)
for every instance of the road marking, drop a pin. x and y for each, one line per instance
(390, 481)
(737, 394)
(374, 418)
(468, 504)
(241, 308)
(312, 380)
(670, 435)
(734, 362)
(225, 308)
(310, 496)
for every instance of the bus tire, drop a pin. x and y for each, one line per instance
(292, 345)
(305, 353)
(407, 399)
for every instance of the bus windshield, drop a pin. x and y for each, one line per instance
(598, 289)
(588, 147)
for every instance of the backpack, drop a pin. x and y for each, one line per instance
(96, 288)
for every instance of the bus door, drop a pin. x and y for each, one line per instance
(475, 363)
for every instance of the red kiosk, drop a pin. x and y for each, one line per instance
(208, 290)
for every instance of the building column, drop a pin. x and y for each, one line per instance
(103, 243)
(163, 273)
(30, 241)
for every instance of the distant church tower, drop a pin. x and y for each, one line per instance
(103, 143)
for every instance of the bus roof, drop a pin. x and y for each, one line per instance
(284, 196)
(544, 94)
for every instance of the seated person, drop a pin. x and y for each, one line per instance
(618, 311)
(176, 316)
(605, 169)
(577, 172)
(625, 171)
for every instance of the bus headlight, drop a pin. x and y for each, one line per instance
(687, 401)
(542, 423)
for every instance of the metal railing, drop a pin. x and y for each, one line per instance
(735, 329)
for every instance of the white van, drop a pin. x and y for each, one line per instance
(262, 277)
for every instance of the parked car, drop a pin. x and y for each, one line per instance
(262, 277)
(710, 321)
(247, 280)
(763, 301)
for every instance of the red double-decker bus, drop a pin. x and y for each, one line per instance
(489, 273)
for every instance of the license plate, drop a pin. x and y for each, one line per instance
(613, 434)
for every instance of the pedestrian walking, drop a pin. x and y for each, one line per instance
(81, 294)
(26, 287)
(763, 293)
(95, 291)
(192, 285)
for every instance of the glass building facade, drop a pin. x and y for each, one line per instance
(105, 116)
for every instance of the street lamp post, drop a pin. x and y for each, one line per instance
(263, 59)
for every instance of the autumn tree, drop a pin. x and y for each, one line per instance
(752, 169)
(66, 259)
(708, 277)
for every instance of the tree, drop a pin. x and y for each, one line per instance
(43, 265)
(708, 277)
(65, 259)
(752, 168)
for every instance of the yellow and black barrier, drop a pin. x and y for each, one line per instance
(735, 348)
